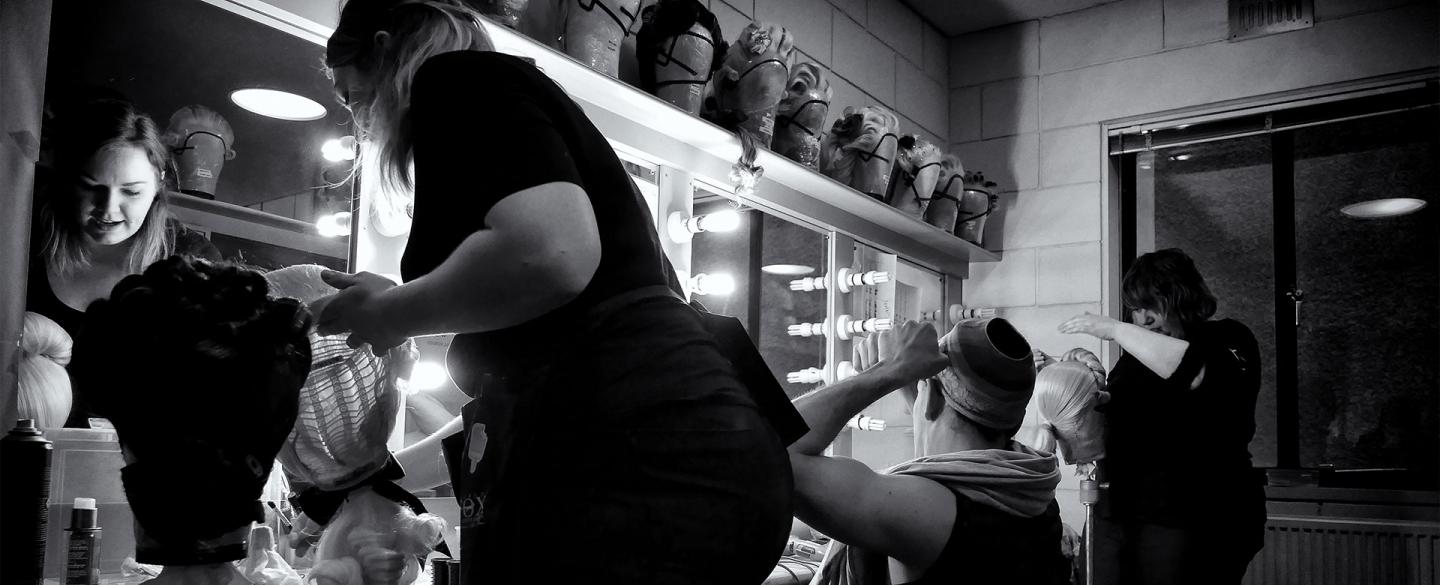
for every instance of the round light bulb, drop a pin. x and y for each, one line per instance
(428, 376)
(339, 149)
(726, 220)
(334, 225)
(712, 284)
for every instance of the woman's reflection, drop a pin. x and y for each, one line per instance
(103, 216)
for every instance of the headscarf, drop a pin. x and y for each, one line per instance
(991, 373)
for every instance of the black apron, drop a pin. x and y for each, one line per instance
(500, 434)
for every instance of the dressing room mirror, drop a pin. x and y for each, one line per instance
(250, 171)
(255, 150)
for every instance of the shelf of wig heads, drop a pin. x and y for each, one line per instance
(665, 81)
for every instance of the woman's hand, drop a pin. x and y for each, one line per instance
(356, 310)
(1098, 326)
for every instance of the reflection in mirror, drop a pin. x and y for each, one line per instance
(762, 256)
(149, 148)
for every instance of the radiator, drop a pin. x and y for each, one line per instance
(1331, 551)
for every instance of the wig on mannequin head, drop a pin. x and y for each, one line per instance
(917, 170)
(800, 121)
(348, 409)
(1066, 394)
(858, 139)
(943, 209)
(751, 81)
(678, 49)
(199, 371)
(44, 385)
(201, 141)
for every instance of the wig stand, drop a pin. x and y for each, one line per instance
(1089, 495)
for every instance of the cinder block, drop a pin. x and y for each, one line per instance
(854, 8)
(1047, 217)
(920, 97)
(1002, 52)
(1368, 45)
(1011, 162)
(1040, 324)
(808, 20)
(898, 26)
(746, 7)
(1101, 34)
(1195, 22)
(1010, 107)
(1068, 274)
(863, 59)
(937, 55)
(1007, 283)
(965, 114)
(1070, 155)
(732, 21)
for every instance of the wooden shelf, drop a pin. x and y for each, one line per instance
(650, 128)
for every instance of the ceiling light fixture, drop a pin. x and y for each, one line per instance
(281, 105)
(1184, 156)
(786, 269)
(1380, 208)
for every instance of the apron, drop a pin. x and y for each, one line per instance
(490, 462)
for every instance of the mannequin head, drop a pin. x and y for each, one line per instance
(201, 141)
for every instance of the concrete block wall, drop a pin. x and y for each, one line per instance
(1027, 101)
(876, 52)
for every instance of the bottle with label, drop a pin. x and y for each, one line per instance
(24, 504)
(80, 565)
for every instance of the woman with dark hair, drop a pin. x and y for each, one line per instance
(1185, 505)
(604, 411)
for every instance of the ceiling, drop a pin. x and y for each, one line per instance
(955, 17)
(165, 54)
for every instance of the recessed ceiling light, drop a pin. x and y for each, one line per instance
(1378, 208)
(786, 269)
(1182, 156)
(278, 104)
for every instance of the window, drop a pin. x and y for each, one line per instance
(1346, 310)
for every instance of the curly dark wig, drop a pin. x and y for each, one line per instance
(668, 19)
(199, 371)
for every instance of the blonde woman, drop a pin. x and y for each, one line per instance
(103, 217)
(605, 417)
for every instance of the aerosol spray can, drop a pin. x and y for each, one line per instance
(24, 504)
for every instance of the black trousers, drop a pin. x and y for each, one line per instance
(1141, 553)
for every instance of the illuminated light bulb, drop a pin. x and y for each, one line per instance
(281, 105)
(866, 423)
(428, 375)
(338, 149)
(334, 225)
(682, 229)
(806, 376)
(712, 284)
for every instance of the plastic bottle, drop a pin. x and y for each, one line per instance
(24, 504)
(80, 567)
